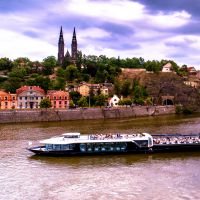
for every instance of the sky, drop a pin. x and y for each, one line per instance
(152, 29)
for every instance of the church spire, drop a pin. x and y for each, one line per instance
(74, 47)
(61, 46)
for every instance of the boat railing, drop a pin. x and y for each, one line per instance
(113, 136)
(187, 139)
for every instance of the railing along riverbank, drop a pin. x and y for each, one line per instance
(44, 115)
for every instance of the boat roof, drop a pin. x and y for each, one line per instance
(70, 134)
(87, 139)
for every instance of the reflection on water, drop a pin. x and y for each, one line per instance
(139, 176)
(104, 160)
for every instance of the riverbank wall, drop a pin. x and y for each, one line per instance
(40, 115)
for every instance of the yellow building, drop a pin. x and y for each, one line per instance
(84, 89)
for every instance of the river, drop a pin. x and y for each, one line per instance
(118, 177)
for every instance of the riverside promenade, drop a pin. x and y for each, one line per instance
(45, 115)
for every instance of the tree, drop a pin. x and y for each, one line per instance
(21, 62)
(71, 104)
(49, 63)
(5, 64)
(82, 102)
(71, 72)
(100, 100)
(58, 84)
(43, 82)
(126, 90)
(66, 61)
(19, 72)
(153, 65)
(45, 103)
(79, 60)
(75, 96)
(117, 87)
(12, 84)
(126, 102)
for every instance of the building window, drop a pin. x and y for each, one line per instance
(25, 104)
(25, 98)
(60, 97)
(65, 98)
(20, 98)
(54, 97)
(13, 98)
(41, 97)
(36, 98)
(6, 98)
(60, 102)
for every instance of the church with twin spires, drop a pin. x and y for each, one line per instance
(61, 48)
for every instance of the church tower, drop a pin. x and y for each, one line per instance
(61, 46)
(74, 47)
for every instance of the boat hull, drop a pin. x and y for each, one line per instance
(79, 153)
(175, 147)
(155, 149)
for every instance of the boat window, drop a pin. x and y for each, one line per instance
(71, 135)
(71, 146)
(49, 146)
(56, 146)
(83, 147)
(142, 143)
(150, 141)
(65, 147)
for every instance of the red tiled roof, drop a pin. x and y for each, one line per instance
(25, 88)
(57, 93)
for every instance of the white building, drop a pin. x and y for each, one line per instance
(113, 102)
(167, 68)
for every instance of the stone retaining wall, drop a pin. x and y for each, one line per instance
(10, 116)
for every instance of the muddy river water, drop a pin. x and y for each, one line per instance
(145, 176)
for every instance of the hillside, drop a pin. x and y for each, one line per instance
(161, 85)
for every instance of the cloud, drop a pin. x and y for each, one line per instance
(29, 47)
(111, 10)
(127, 28)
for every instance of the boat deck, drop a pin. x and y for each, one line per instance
(96, 138)
(176, 139)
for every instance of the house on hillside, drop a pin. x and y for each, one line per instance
(85, 88)
(198, 74)
(114, 101)
(59, 99)
(167, 67)
(192, 71)
(7, 100)
(29, 96)
(193, 82)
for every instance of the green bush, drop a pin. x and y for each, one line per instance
(179, 109)
(187, 111)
